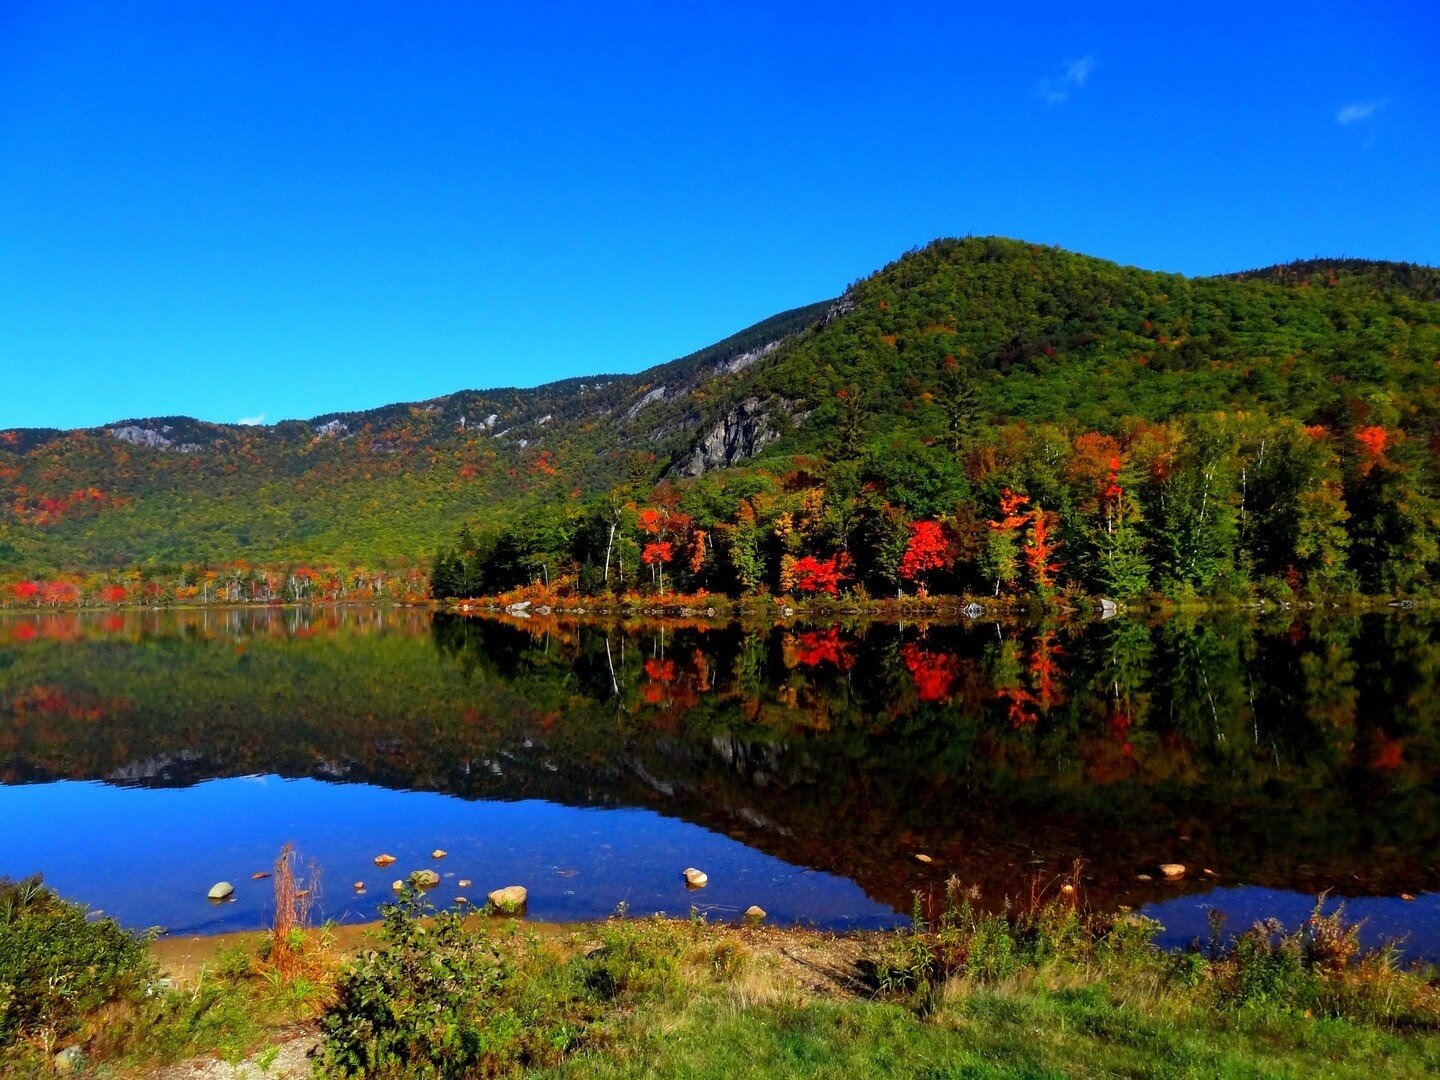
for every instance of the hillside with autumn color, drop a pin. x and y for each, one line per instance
(981, 416)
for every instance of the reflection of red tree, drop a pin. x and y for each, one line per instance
(1024, 704)
(50, 703)
(935, 673)
(825, 647)
(1019, 704)
(1045, 671)
(1386, 754)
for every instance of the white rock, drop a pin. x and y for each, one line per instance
(696, 879)
(221, 890)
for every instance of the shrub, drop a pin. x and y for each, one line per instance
(453, 995)
(430, 999)
(57, 965)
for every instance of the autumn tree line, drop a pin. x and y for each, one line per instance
(1215, 505)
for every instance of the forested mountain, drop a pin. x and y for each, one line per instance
(980, 415)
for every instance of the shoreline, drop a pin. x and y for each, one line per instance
(723, 610)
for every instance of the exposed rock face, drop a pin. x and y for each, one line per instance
(155, 440)
(658, 394)
(839, 309)
(740, 363)
(741, 433)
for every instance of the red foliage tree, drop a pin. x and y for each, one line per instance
(1373, 442)
(814, 575)
(927, 550)
(1039, 552)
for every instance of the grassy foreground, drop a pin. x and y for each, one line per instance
(1046, 989)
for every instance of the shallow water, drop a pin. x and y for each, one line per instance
(146, 755)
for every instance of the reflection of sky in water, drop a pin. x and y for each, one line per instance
(1413, 924)
(149, 856)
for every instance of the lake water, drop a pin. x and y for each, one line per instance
(145, 756)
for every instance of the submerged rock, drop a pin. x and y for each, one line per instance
(221, 890)
(696, 879)
(510, 899)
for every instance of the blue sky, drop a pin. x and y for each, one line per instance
(275, 210)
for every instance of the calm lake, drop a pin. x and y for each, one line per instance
(145, 756)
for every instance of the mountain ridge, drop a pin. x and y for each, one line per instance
(961, 336)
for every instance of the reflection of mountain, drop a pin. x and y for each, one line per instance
(1299, 756)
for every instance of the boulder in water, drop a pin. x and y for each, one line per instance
(509, 900)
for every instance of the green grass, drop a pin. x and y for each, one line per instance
(1013, 1032)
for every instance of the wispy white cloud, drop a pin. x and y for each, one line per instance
(1357, 111)
(1074, 76)
(251, 421)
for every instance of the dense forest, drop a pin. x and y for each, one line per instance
(982, 416)
(991, 418)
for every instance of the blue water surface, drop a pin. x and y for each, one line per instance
(149, 856)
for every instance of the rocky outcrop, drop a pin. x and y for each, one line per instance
(155, 440)
(741, 433)
(657, 394)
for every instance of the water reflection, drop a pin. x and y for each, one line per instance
(1298, 754)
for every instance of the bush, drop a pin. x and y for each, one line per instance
(57, 965)
(432, 998)
(449, 994)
